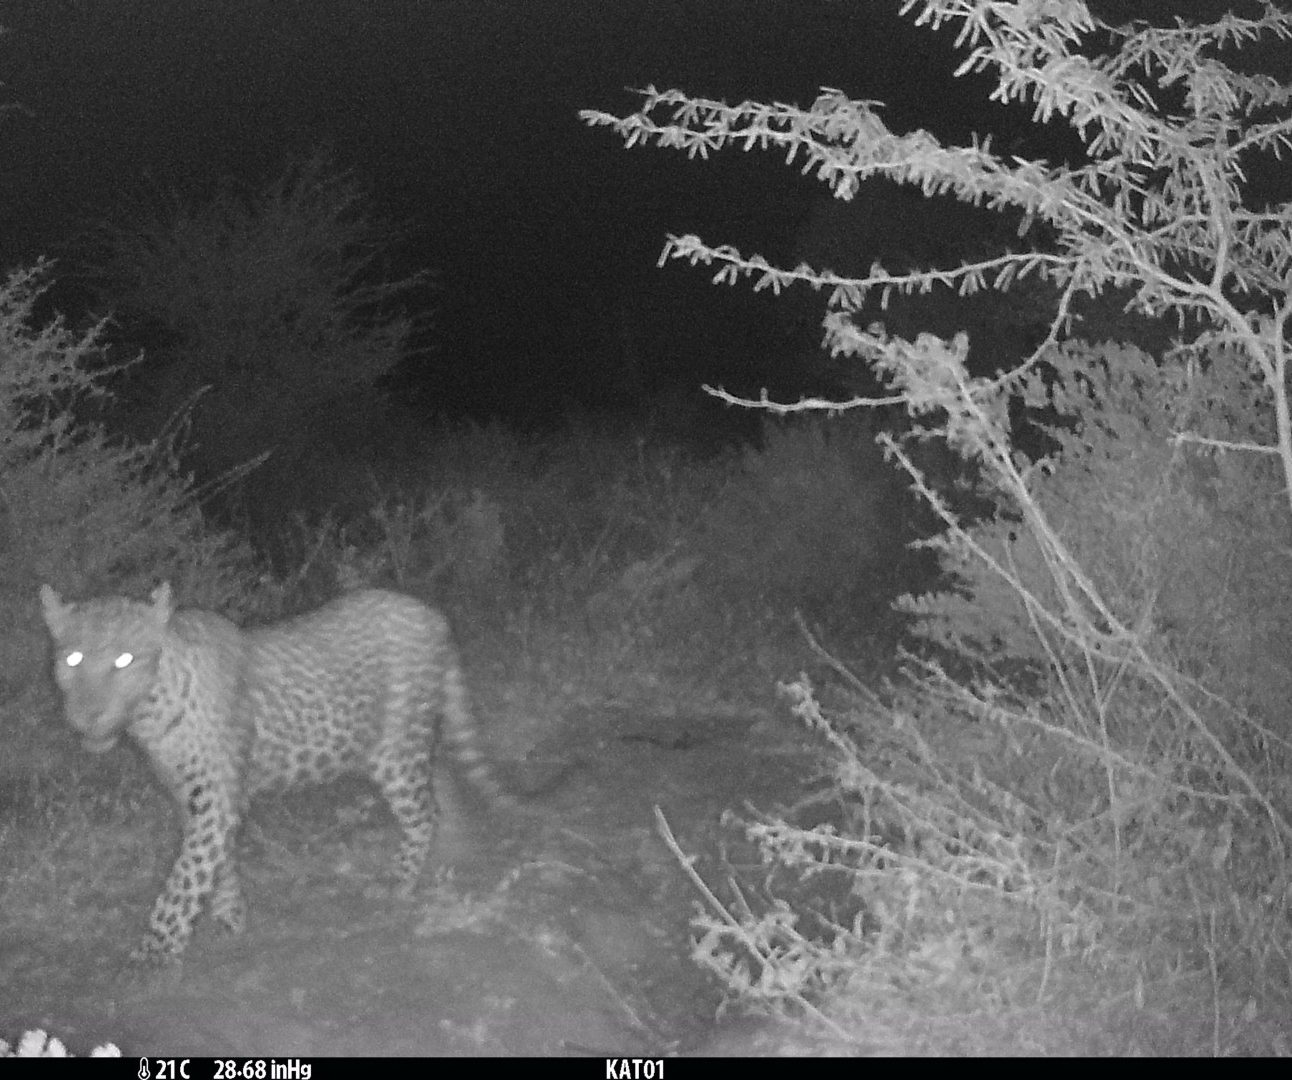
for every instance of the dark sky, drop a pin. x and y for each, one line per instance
(460, 115)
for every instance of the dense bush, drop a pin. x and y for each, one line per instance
(814, 518)
(80, 510)
(1084, 764)
(270, 316)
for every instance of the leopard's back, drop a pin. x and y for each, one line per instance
(372, 672)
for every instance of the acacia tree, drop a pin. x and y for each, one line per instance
(1156, 210)
(1125, 769)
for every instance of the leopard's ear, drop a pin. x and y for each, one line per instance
(53, 608)
(163, 603)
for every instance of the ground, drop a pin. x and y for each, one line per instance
(568, 934)
(565, 933)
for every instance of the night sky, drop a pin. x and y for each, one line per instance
(461, 117)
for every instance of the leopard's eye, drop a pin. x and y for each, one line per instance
(123, 661)
(73, 659)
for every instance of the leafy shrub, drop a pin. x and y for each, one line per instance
(815, 517)
(1097, 783)
(1184, 547)
(265, 313)
(77, 509)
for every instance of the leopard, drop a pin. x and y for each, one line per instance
(368, 684)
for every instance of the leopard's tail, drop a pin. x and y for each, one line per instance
(461, 735)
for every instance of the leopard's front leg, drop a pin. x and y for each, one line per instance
(205, 859)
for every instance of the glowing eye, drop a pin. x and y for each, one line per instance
(123, 661)
(73, 659)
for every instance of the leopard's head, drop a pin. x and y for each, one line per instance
(106, 656)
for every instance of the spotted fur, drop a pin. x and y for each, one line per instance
(366, 684)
